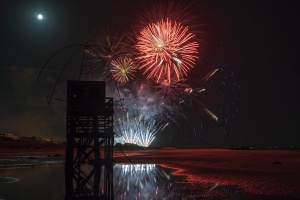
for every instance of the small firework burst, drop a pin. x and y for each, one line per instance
(167, 50)
(123, 69)
(110, 46)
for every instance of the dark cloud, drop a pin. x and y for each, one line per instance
(23, 104)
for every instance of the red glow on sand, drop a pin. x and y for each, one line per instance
(252, 171)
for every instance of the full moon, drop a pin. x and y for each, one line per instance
(40, 17)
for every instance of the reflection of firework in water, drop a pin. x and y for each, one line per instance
(137, 129)
(142, 181)
(166, 50)
(123, 69)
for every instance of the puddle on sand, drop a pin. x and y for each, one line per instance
(9, 180)
(139, 181)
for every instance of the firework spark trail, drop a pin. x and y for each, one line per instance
(137, 129)
(203, 103)
(127, 128)
(167, 50)
(113, 43)
(220, 93)
(113, 47)
(174, 97)
(147, 135)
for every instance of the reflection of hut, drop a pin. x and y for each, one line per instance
(11, 136)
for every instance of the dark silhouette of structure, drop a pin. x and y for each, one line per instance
(90, 140)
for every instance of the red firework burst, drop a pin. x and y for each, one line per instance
(166, 50)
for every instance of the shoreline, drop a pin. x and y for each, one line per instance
(190, 157)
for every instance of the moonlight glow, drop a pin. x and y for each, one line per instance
(40, 16)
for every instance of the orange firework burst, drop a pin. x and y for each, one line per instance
(123, 69)
(167, 50)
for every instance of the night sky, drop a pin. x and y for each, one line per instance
(257, 40)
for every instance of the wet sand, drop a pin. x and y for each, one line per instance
(270, 173)
(31, 151)
(257, 172)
